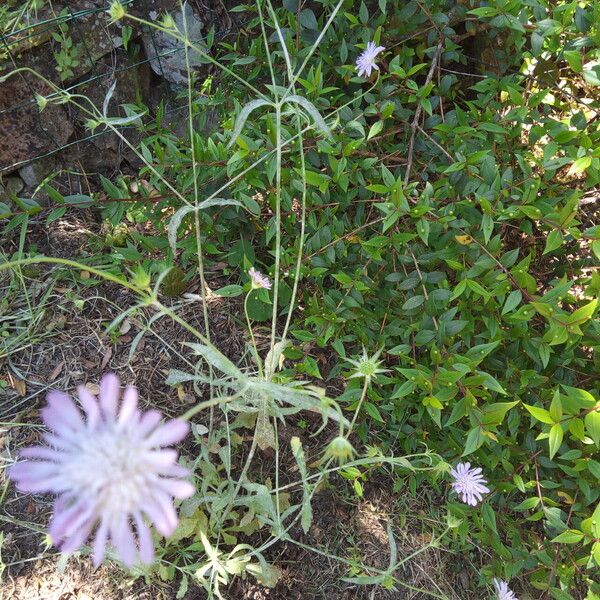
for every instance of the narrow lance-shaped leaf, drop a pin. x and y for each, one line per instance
(121, 121)
(117, 121)
(310, 108)
(555, 439)
(306, 510)
(243, 117)
(177, 218)
(216, 359)
(109, 95)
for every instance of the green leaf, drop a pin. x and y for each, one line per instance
(477, 353)
(493, 128)
(528, 503)
(229, 291)
(556, 408)
(423, 230)
(580, 165)
(307, 19)
(594, 468)
(413, 303)
(306, 511)
(518, 481)
(373, 412)
(581, 315)
(553, 241)
(478, 289)
(484, 11)
(80, 200)
(110, 188)
(311, 109)
(487, 226)
(493, 414)
(555, 439)
(474, 441)
(216, 359)
(573, 57)
(591, 72)
(592, 426)
(459, 289)
(570, 536)
(243, 117)
(512, 301)
(177, 218)
(541, 414)
(489, 517)
(375, 129)
(317, 179)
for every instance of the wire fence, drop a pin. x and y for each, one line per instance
(31, 45)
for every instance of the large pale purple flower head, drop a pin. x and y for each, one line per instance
(503, 591)
(111, 471)
(469, 483)
(365, 63)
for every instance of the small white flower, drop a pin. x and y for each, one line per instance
(365, 63)
(468, 483)
(259, 280)
(502, 590)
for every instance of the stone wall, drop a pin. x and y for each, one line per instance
(34, 143)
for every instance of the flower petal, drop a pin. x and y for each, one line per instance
(161, 512)
(90, 406)
(110, 389)
(77, 539)
(54, 419)
(31, 470)
(65, 408)
(41, 452)
(148, 422)
(122, 537)
(145, 539)
(170, 433)
(99, 545)
(177, 488)
(128, 407)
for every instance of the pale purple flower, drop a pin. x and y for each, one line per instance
(503, 591)
(259, 280)
(366, 61)
(468, 483)
(109, 471)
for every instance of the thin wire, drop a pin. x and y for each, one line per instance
(59, 19)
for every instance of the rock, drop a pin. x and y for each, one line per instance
(34, 173)
(27, 133)
(11, 185)
(170, 61)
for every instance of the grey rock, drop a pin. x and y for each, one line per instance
(168, 55)
(11, 185)
(34, 173)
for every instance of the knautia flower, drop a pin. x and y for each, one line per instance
(365, 63)
(469, 483)
(367, 366)
(109, 471)
(340, 449)
(503, 591)
(259, 281)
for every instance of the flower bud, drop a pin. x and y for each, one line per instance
(340, 449)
